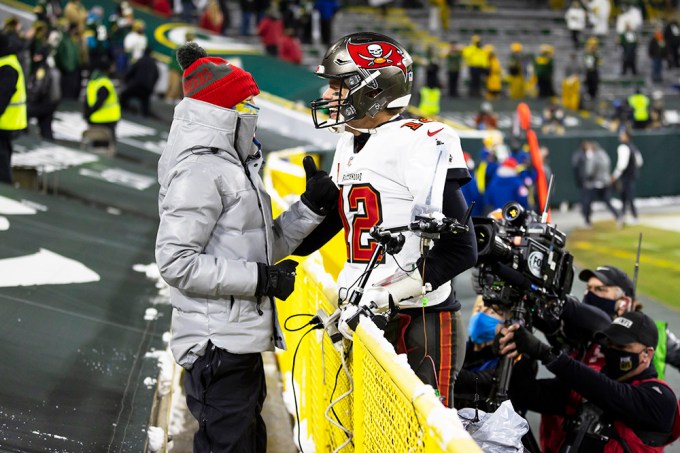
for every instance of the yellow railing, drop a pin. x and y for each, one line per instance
(388, 408)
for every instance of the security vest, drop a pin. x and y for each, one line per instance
(110, 111)
(14, 117)
(429, 100)
(639, 103)
(659, 359)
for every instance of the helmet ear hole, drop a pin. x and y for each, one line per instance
(374, 93)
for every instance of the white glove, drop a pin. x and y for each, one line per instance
(348, 312)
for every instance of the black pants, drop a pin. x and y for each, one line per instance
(475, 87)
(628, 196)
(136, 92)
(6, 157)
(225, 393)
(70, 84)
(453, 83)
(590, 195)
(44, 113)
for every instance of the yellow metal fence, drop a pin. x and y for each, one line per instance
(388, 409)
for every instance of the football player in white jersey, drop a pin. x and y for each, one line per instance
(388, 167)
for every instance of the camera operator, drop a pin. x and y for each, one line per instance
(624, 408)
(611, 290)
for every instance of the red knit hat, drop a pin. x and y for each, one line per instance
(213, 79)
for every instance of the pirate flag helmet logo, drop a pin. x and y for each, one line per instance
(375, 73)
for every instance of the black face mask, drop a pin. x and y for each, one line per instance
(618, 363)
(606, 305)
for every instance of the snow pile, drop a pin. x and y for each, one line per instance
(156, 438)
(166, 364)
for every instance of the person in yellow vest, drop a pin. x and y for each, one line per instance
(516, 80)
(494, 79)
(639, 103)
(12, 105)
(101, 101)
(475, 59)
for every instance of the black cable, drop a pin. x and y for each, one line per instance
(292, 381)
(357, 279)
(311, 322)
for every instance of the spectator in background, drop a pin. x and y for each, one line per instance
(516, 71)
(76, 14)
(430, 98)
(162, 7)
(628, 163)
(290, 48)
(553, 118)
(247, 10)
(658, 52)
(486, 118)
(598, 15)
(475, 59)
(327, 10)
(544, 68)
(631, 16)
(68, 61)
(657, 116)
(101, 101)
(120, 24)
(639, 104)
(576, 21)
(140, 82)
(270, 31)
(571, 90)
(212, 18)
(96, 37)
(13, 116)
(454, 58)
(471, 189)
(592, 172)
(44, 92)
(494, 78)
(506, 186)
(671, 33)
(17, 42)
(591, 63)
(174, 89)
(628, 41)
(136, 41)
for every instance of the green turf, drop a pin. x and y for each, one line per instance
(659, 270)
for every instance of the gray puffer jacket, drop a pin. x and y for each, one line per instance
(215, 226)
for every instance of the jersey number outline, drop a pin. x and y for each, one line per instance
(364, 201)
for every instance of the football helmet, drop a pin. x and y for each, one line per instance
(376, 70)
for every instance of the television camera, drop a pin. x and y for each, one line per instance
(521, 257)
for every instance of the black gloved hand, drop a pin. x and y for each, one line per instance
(527, 343)
(277, 280)
(321, 194)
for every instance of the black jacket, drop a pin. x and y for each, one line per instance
(647, 407)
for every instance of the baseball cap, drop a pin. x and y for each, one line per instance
(610, 276)
(631, 327)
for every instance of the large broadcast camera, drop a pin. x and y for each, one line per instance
(521, 257)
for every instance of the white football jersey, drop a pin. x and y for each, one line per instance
(403, 166)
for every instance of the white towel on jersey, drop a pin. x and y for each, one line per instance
(402, 166)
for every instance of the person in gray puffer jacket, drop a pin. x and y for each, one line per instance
(217, 246)
(592, 170)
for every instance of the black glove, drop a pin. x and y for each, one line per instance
(321, 194)
(277, 280)
(528, 344)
